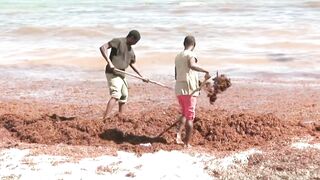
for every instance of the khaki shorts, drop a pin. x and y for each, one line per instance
(118, 87)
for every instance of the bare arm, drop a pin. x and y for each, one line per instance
(136, 70)
(194, 66)
(104, 51)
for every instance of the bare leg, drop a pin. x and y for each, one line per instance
(110, 105)
(180, 128)
(121, 107)
(189, 128)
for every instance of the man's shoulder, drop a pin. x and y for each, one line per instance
(189, 53)
(179, 55)
(118, 39)
(122, 39)
(117, 42)
(185, 54)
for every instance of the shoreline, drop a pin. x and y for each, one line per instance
(161, 67)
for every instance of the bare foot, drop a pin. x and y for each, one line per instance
(120, 116)
(187, 146)
(178, 139)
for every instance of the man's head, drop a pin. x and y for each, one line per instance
(133, 37)
(189, 41)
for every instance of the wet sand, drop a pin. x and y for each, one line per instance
(65, 109)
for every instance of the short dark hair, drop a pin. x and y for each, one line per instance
(189, 40)
(135, 34)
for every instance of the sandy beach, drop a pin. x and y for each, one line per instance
(259, 128)
(53, 90)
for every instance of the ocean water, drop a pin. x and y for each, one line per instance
(274, 35)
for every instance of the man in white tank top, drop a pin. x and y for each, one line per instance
(187, 84)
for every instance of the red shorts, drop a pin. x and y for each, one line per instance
(188, 106)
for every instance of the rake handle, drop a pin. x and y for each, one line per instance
(139, 77)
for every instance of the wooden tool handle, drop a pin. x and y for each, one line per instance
(139, 77)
